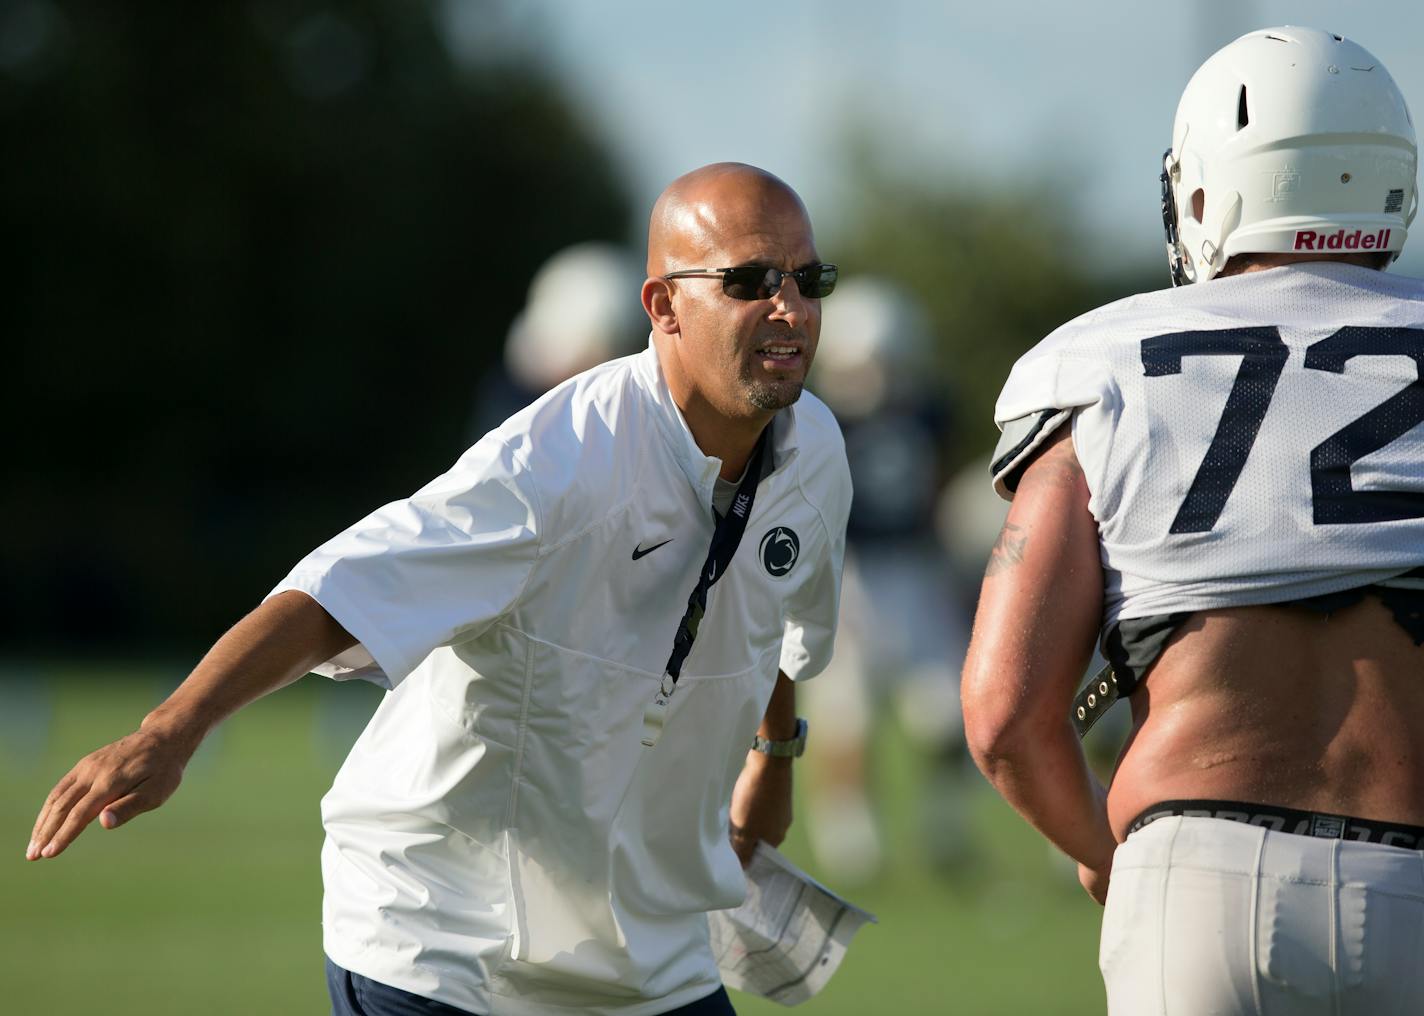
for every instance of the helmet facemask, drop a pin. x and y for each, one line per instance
(1175, 256)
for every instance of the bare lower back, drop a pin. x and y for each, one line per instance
(1285, 706)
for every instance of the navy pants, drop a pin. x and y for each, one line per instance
(354, 995)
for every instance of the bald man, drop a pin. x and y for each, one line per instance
(589, 628)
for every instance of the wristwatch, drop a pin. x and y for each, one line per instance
(790, 748)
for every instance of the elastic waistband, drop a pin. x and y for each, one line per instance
(1322, 825)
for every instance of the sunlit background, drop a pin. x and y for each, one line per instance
(261, 262)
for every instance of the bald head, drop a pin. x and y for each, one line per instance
(732, 358)
(715, 208)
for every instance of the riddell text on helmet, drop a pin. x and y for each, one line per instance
(1309, 239)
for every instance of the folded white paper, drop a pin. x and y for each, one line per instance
(790, 935)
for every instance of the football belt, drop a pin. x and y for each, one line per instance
(1094, 699)
(1324, 825)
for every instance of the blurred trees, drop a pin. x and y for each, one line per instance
(255, 259)
(995, 264)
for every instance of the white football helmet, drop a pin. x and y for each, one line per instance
(1287, 140)
(875, 349)
(583, 309)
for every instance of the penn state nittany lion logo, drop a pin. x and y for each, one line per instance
(779, 550)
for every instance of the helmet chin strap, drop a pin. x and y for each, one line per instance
(1408, 220)
(1213, 256)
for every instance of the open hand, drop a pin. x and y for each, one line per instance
(135, 774)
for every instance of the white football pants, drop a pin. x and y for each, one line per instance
(1208, 916)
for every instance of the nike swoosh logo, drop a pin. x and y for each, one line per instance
(638, 551)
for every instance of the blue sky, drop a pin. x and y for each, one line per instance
(1000, 92)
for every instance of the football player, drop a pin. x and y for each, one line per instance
(1224, 481)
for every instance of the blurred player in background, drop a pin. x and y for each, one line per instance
(1227, 479)
(902, 630)
(582, 310)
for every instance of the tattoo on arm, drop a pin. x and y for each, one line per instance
(1008, 549)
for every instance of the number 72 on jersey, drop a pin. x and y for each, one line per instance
(1263, 358)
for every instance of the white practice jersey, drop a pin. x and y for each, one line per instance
(499, 839)
(1254, 439)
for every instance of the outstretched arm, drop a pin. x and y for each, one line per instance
(761, 800)
(1039, 611)
(271, 647)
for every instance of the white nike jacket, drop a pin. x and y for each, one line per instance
(498, 838)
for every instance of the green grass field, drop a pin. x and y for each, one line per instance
(212, 904)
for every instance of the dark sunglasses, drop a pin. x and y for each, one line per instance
(761, 282)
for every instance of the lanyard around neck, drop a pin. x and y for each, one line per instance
(726, 537)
